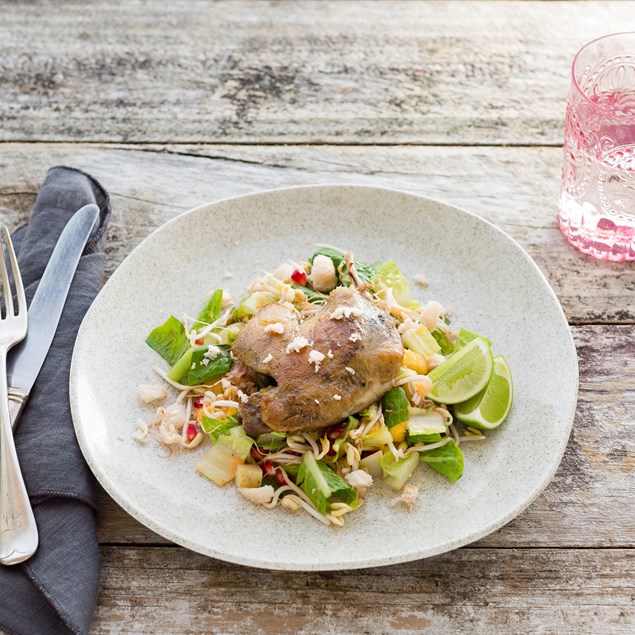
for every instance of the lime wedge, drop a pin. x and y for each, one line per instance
(463, 374)
(490, 407)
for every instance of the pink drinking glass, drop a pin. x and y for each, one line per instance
(597, 199)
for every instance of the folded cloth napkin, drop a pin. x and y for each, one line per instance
(56, 590)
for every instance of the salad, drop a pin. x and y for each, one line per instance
(326, 378)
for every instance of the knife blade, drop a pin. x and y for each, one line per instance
(26, 359)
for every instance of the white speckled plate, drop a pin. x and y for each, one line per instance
(475, 269)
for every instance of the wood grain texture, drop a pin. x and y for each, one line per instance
(590, 502)
(172, 105)
(303, 71)
(515, 188)
(469, 591)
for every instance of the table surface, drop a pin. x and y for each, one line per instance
(171, 105)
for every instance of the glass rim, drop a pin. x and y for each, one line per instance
(574, 81)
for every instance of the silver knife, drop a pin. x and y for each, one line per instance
(26, 359)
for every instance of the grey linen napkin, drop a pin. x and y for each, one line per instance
(56, 590)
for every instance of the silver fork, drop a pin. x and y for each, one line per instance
(18, 531)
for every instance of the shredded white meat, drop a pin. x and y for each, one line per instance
(360, 480)
(261, 495)
(409, 495)
(150, 393)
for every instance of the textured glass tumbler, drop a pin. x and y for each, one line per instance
(597, 200)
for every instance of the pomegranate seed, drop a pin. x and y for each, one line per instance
(257, 454)
(299, 277)
(199, 341)
(336, 430)
(280, 478)
(198, 402)
(191, 432)
(267, 468)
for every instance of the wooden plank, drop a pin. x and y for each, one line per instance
(515, 188)
(590, 501)
(544, 591)
(293, 72)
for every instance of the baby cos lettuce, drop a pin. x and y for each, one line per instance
(322, 485)
(448, 460)
(197, 365)
(169, 340)
(211, 311)
(395, 406)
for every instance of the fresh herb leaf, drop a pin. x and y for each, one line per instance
(169, 340)
(395, 406)
(334, 255)
(448, 460)
(367, 271)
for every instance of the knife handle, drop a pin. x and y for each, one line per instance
(17, 399)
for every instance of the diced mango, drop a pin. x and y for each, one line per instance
(415, 361)
(398, 432)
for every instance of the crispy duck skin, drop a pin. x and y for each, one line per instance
(362, 355)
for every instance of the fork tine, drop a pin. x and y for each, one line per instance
(6, 287)
(17, 278)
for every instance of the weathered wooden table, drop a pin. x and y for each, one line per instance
(175, 104)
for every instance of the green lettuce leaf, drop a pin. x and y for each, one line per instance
(397, 472)
(322, 485)
(211, 311)
(390, 275)
(169, 340)
(424, 438)
(465, 337)
(334, 255)
(204, 368)
(395, 406)
(444, 342)
(271, 440)
(217, 427)
(448, 460)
